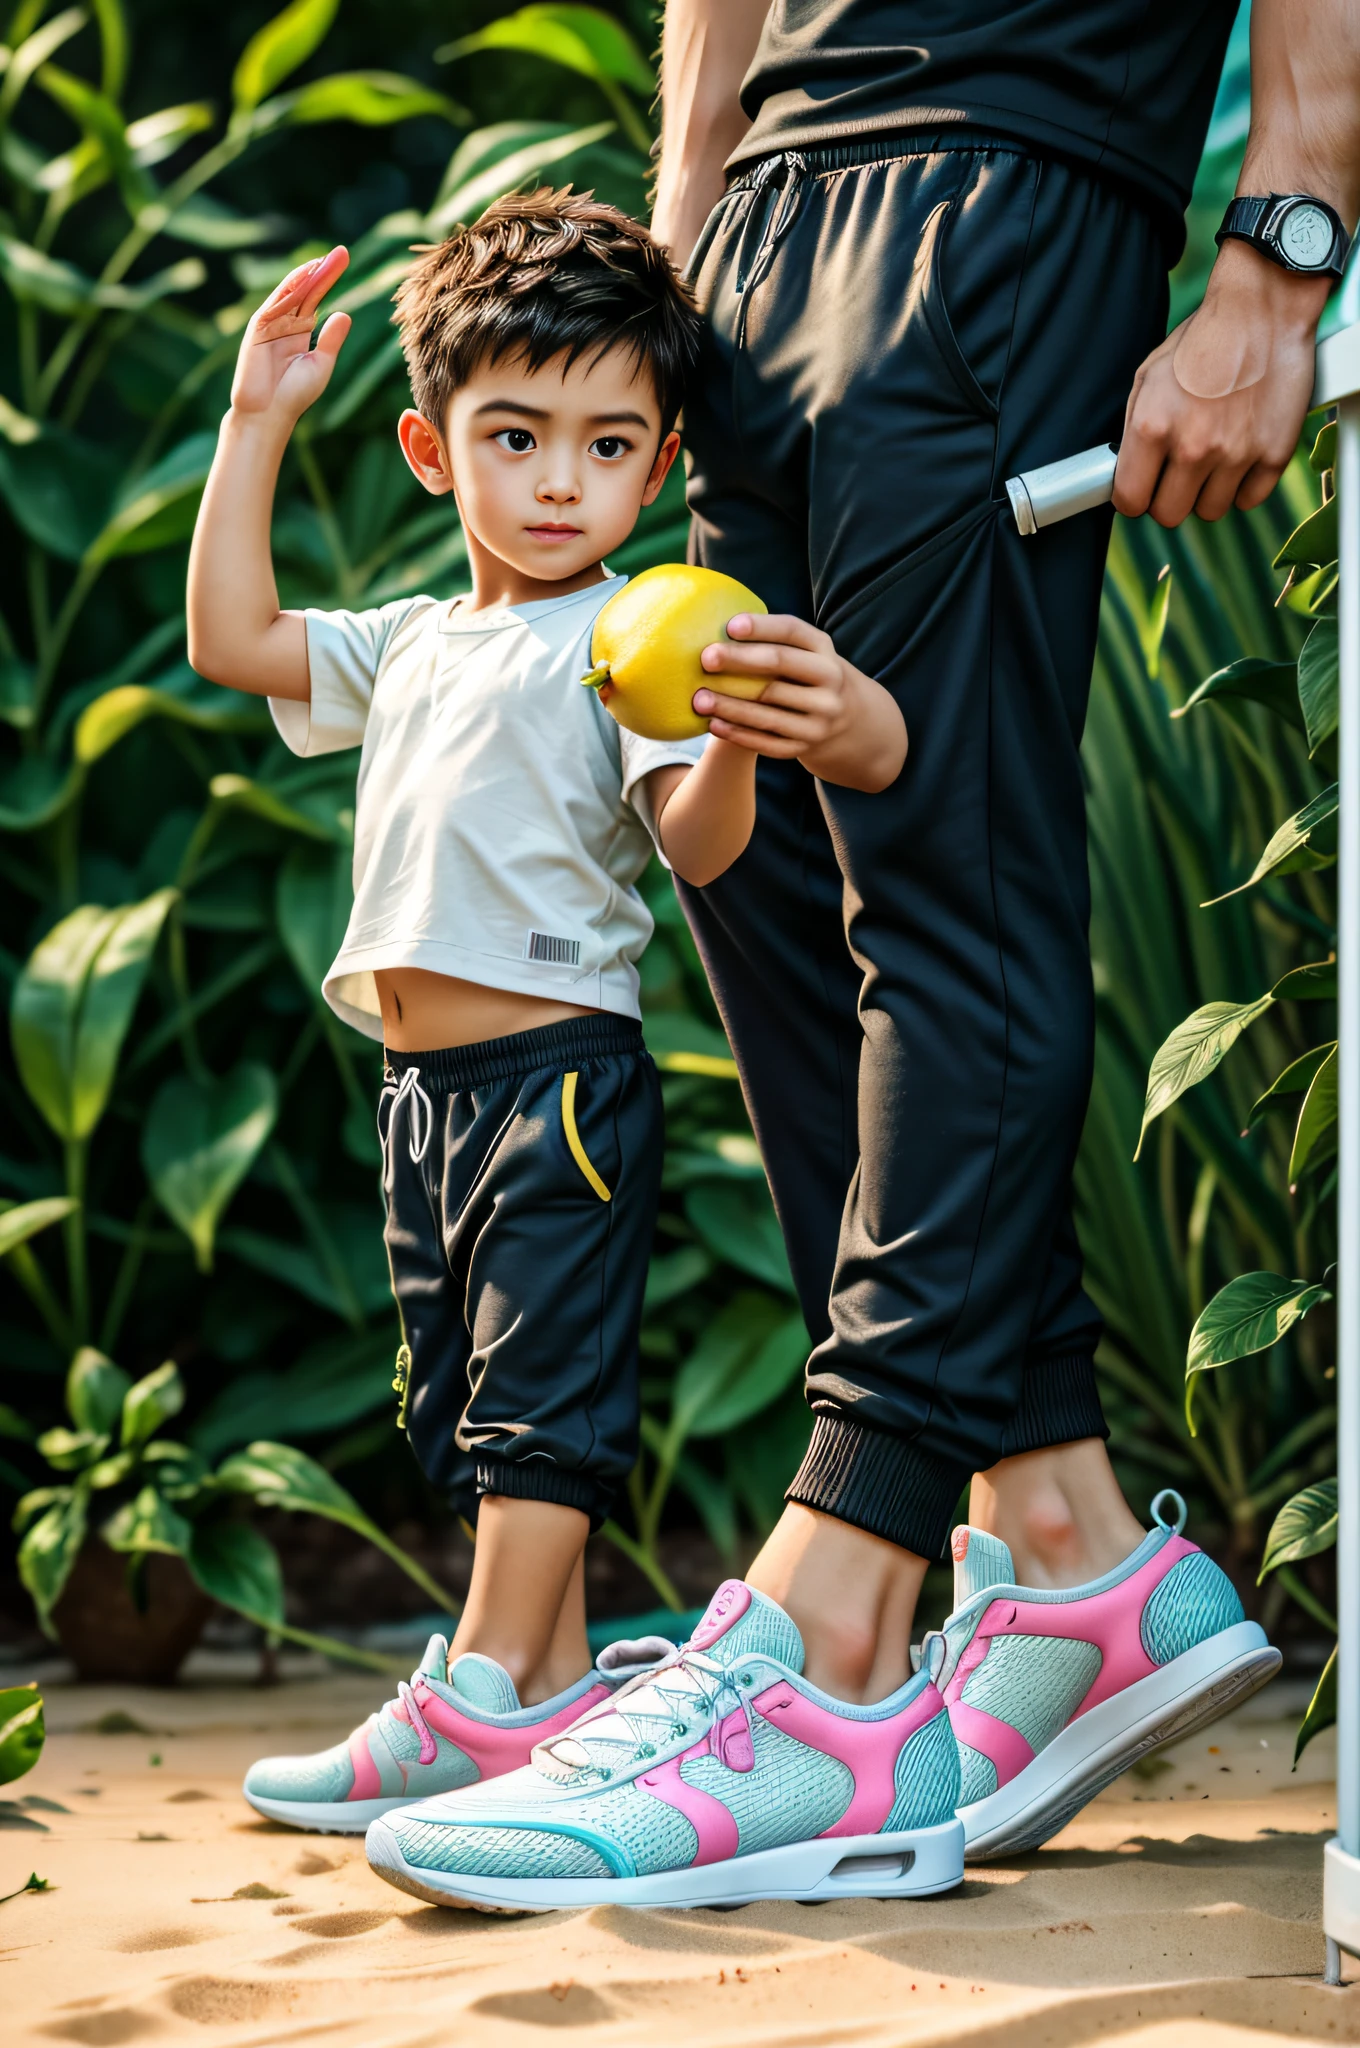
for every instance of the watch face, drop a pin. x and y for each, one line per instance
(1305, 236)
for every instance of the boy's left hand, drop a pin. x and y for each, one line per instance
(816, 708)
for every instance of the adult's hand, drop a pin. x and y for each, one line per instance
(1215, 412)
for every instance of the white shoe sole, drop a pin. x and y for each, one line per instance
(898, 1866)
(1091, 1752)
(326, 1817)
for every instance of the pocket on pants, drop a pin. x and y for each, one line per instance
(572, 1134)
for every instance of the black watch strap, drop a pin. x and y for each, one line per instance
(1273, 222)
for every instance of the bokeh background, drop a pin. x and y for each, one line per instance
(188, 1161)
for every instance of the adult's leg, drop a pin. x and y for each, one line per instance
(1060, 1512)
(882, 408)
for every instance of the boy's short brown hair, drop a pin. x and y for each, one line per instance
(540, 275)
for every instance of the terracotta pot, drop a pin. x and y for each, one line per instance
(107, 1638)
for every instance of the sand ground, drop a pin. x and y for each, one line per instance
(1181, 1910)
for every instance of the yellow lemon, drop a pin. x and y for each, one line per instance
(647, 642)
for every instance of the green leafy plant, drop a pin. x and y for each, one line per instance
(141, 1492)
(1254, 1313)
(22, 1732)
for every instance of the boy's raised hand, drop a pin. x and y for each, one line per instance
(278, 372)
(816, 707)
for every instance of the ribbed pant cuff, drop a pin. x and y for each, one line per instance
(537, 1481)
(880, 1483)
(1058, 1405)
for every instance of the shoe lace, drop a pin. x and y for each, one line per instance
(429, 1748)
(646, 1707)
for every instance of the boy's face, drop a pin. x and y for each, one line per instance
(550, 467)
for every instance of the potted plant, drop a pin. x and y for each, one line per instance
(125, 1557)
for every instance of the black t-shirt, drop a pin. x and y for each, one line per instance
(1124, 85)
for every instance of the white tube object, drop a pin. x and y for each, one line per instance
(1041, 497)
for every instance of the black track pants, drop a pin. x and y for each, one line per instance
(521, 1179)
(893, 330)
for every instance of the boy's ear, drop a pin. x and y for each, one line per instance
(665, 456)
(425, 452)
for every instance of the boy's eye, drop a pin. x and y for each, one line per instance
(609, 447)
(518, 440)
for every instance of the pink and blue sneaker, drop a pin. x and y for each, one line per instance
(717, 1778)
(1052, 1695)
(447, 1728)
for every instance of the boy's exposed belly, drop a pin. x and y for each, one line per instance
(423, 1012)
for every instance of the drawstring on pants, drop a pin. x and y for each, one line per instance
(421, 1111)
(787, 170)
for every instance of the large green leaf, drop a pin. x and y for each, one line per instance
(49, 1551)
(735, 1219)
(96, 1389)
(162, 504)
(199, 1141)
(58, 487)
(726, 1351)
(21, 1220)
(147, 1522)
(1295, 1080)
(1315, 983)
(1320, 682)
(315, 893)
(1313, 541)
(278, 48)
(1304, 1526)
(274, 807)
(497, 159)
(118, 712)
(581, 39)
(1321, 1709)
(150, 1403)
(1250, 1314)
(21, 1731)
(235, 1564)
(71, 1450)
(1253, 681)
(1192, 1052)
(372, 99)
(34, 790)
(280, 1476)
(1315, 1134)
(1307, 840)
(72, 1005)
(336, 1382)
(759, 1381)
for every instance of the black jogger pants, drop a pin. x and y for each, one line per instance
(893, 329)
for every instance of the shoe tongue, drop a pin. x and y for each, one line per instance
(484, 1683)
(435, 1662)
(742, 1623)
(980, 1560)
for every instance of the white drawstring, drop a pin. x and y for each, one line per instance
(421, 1110)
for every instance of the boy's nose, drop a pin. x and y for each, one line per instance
(558, 491)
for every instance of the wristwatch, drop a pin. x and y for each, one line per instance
(1292, 229)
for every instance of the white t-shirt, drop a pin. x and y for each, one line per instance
(500, 825)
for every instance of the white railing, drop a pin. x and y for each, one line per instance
(1338, 383)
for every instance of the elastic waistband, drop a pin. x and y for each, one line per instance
(811, 159)
(565, 1045)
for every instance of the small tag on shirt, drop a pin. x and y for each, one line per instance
(557, 952)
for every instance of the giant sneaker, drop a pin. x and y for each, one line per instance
(445, 1729)
(1052, 1695)
(718, 1778)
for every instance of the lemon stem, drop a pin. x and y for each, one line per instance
(598, 676)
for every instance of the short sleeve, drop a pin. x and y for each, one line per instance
(640, 757)
(345, 652)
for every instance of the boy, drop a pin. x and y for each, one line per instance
(502, 821)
